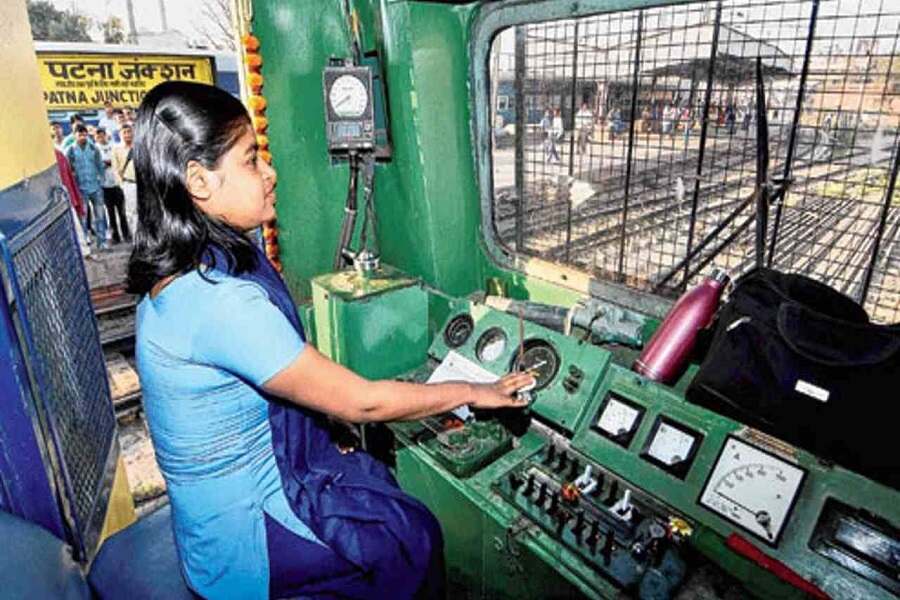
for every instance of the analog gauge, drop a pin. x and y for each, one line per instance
(539, 358)
(458, 330)
(491, 345)
(348, 97)
(753, 489)
(672, 447)
(619, 419)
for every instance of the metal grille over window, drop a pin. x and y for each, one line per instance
(625, 144)
(72, 377)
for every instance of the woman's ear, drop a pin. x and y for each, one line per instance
(200, 181)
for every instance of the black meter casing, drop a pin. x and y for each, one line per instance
(348, 133)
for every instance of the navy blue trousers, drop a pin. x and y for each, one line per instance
(299, 568)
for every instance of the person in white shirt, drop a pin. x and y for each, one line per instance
(108, 122)
(556, 134)
(584, 124)
(123, 168)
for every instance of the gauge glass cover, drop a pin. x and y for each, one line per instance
(753, 488)
(618, 418)
(348, 97)
(458, 330)
(491, 345)
(671, 445)
(541, 359)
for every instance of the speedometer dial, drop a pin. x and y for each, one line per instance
(753, 489)
(540, 359)
(348, 97)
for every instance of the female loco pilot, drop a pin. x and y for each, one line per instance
(263, 503)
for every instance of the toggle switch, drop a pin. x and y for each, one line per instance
(515, 482)
(613, 493)
(598, 489)
(542, 494)
(529, 487)
(623, 509)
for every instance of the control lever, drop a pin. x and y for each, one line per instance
(585, 483)
(578, 528)
(606, 551)
(551, 454)
(542, 494)
(573, 471)
(529, 488)
(594, 537)
(563, 461)
(554, 503)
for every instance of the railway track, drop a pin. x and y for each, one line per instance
(114, 310)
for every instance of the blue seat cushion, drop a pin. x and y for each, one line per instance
(140, 562)
(35, 564)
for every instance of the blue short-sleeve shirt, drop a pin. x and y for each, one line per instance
(203, 350)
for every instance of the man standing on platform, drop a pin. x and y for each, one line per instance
(88, 167)
(123, 168)
(112, 193)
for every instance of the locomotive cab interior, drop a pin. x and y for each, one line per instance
(432, 227)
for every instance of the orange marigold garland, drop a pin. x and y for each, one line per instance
(257, 104)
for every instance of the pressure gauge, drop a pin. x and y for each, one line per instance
(458, 330)
(491, 345)
(753, 489)
(348, 97)
(538, 358)
(672, 446)
(619, 419)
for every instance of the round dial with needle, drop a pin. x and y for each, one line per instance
(753, 488)
(540, 359)
(348, 97)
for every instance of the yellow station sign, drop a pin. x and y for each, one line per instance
(84, 81)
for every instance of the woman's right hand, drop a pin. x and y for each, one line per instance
(501, 393)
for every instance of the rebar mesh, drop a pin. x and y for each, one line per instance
(646, 175)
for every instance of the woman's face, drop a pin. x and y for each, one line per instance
(242, 189)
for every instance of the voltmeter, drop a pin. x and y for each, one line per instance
(753, 488)
(349, 108)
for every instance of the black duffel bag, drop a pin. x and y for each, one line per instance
(798, 360)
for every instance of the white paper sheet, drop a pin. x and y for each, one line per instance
(458, 368)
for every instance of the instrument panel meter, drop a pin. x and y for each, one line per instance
(349, 110)
(458, 330)
(619, 419)
(541, 359)
(491, 345)
(753, 489)
(672, 447)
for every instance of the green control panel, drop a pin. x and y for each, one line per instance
(609, 484)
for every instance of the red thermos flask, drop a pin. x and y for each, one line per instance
(666, 355)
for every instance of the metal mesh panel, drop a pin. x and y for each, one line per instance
(72, 374)
(647, 177)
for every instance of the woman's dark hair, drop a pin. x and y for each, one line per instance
(179, 122)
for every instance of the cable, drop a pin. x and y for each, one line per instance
(349, 223)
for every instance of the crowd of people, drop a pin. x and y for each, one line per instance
(655, 117)
(97, 170)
